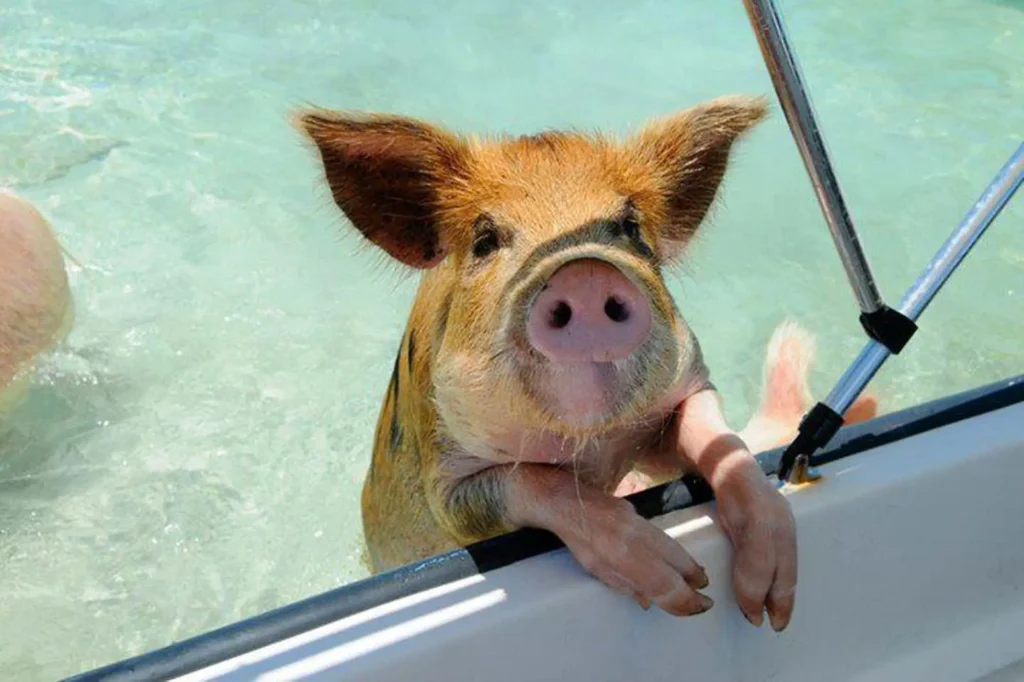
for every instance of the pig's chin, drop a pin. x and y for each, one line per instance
(591, 396)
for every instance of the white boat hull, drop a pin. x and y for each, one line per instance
(911, 568)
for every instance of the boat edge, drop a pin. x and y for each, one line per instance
(246, 635)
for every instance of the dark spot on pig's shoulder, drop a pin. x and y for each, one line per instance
(395, 440)
(410, 351)
(395, 436)
(394, 375)
(442, 317)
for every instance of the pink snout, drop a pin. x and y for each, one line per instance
(589, 311)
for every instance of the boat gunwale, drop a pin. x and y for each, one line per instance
(249, 634)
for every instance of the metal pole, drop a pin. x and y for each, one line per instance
(796, 104)
(939, 270)
(984, 211)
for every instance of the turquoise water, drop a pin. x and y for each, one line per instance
(193, 455)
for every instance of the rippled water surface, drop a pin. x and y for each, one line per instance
(194, 454)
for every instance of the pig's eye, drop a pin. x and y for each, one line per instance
(627, 226)
(486, 242)
(631, 227)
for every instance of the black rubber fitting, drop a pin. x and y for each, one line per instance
(816, 430)
(889, 327)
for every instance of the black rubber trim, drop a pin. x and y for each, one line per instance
(250, 634)
(889, 327)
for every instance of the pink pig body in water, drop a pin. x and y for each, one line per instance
(36, 309)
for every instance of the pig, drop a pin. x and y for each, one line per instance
(545, 369)
(36, 308)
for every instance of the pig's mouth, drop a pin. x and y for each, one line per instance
(591, 395)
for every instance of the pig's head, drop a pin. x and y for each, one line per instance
(547, 250)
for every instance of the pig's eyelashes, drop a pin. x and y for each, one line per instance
(488, 238)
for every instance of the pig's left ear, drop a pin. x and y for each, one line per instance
(385, 173)
(687, 155)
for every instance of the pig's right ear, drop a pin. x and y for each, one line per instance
(385, 173)
(688, 153)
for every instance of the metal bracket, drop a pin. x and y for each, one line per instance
(801, 473)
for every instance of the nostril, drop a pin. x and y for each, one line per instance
(616, 310)
(560, 316)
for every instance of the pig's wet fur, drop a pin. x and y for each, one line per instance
(36, 307)
(490, 222)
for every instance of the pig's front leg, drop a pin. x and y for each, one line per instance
(604, 533)
(754, 514)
